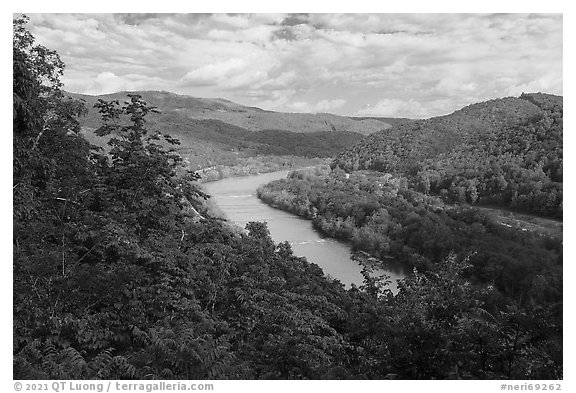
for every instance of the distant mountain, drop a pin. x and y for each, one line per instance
(218, 131)
(505, 151)
(184, 108)
(392, 121)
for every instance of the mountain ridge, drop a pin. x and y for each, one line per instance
(458, 127)
(248, 117)
(507, 152)
(208, 137)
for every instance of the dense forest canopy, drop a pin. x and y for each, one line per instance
(120, 272)
(383, 216)
(220, 132)
(505, 152)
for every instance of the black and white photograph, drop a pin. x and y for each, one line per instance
(199, 198)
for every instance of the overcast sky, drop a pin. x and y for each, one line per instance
(398, 65)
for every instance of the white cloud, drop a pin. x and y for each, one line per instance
(108, 82)
(409, 64)
(232, 21)
(251, 34)
(329, 105)
(549, 82)
(392, 107)
(210, 74)
(321, 106)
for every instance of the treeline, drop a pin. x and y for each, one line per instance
(206, 142)
(380, 214)
(505, 152)
(120, 273)
(314, 144)
(260, 164)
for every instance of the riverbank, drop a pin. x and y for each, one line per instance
(525, 222)
(252, 166)
(237, 199)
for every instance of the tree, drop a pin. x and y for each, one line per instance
(44, 121)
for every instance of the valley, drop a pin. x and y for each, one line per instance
(159, 236)
(216, 132)
(237, 199)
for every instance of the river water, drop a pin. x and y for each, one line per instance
(237, 198)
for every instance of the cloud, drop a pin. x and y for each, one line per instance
(319, 107)
(108, 82)
(392, 107)
(411, 64)
(329, 105)
(549, 82)
(213, 73)
(135, 18)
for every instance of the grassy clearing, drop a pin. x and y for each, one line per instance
(526, 222)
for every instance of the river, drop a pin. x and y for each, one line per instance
(236, 197)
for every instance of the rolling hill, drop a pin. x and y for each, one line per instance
(218, 131)
(506, 152)
(183, 108)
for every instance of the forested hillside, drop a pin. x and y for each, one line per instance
(387, 222)
(121, 273)
(250, 118)
(404, 199)
(211, 134)
(505, 152)
(118, 276)
(315, 144)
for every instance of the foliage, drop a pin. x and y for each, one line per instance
(505, 152)
(120, 273)
(254, 165)
(511, 274)
(314, 144)
(207, 140)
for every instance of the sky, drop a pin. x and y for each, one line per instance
(393, 65)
